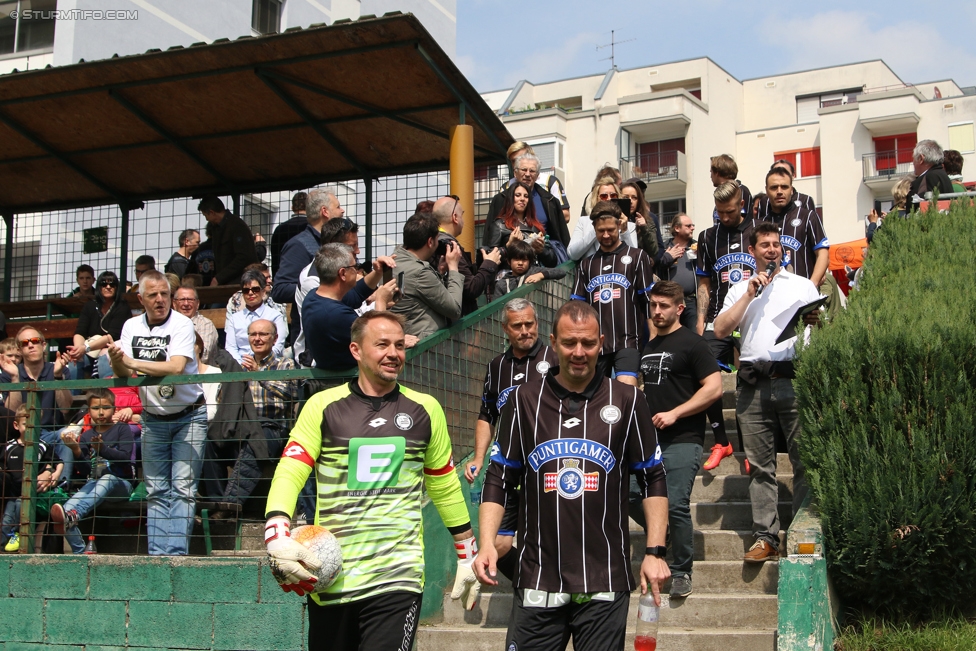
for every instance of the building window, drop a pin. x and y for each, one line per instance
(31, 30)
(658, 158)
(806, 161)
(266, 16)
(892, 151)
(961, 138)
(807, 107)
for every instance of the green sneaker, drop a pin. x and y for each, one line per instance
(139, 494)
(13, 545)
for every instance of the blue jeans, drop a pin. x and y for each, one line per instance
(93, 493)
(11, 519)
(52, 438)
(681, 462)
(172, 457)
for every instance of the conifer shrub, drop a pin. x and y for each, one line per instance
(887, 396)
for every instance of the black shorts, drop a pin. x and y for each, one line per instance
(625, 361)
(593, 626)
(723, 349)
(386, 622)
(509, 523)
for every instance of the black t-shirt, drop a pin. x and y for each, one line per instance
(674, 366)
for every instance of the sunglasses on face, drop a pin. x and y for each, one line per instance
(607, 197)
(108, 283)
(250, 290)
(37, 341)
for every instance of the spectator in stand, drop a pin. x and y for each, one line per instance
(109, 447)
(517, 222)
(85, 276)
(648, 225)
(899, 195)
(100, 324)
(189, 241)
(477, 280)
(288, 229)
(930, 175)
(552, 183)
(953, 161)
(330, 310)
(799, 199)
(254, 289)
(202, 262)
(211, 390)
(231, 241)
(805, 244)
(187, 302)
(724, 169)
(427, 303)
(757, 200)
(54, 404)
(260, 247)
(12, 475)
(160, 343)
(236, 302)
(522, 269)
(584, 242)
(144, 263)
(174, 282)
(607, 171)
(678, 263)
(548, 210)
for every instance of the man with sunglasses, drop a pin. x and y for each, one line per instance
(477, 280)
(54, 404)
(253, 289)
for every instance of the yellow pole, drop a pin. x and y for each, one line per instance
(462, 179)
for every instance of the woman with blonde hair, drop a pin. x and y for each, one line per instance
(583, 242)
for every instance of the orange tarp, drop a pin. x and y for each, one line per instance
(847, 253)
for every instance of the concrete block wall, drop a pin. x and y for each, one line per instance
(137, 602)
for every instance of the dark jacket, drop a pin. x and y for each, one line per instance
(556, 227)
(177, 264)
(506, 282)
(236, 418)
(118, 448)
(91, 322)
(280, 237)
(233, 248)
(497, 234)
(477, 280)
(295, 256)
(934, 179)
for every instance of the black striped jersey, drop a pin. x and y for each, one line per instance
(723, 257)
(802, 234)
(507, 371)
(616, 284)
(573, 455)
(804, 200)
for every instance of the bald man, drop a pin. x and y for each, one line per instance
(450, 220)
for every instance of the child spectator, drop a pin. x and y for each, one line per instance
(13, 474)
(109, 446)
(522, 269)
(10, 352)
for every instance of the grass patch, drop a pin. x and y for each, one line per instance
(877, 635)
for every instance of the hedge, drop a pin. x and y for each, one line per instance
(888, 403)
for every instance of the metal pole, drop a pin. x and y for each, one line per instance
(368, 217)
(8, 257)
(124, 247)
(236, 198)
(462, 179)
(28, 488)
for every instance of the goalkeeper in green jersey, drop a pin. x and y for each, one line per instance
(374, 446)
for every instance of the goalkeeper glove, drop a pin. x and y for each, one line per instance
(289, 559)
(466, 585)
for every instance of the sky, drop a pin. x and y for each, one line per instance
(500, 43)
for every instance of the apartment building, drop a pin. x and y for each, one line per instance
(849, 130)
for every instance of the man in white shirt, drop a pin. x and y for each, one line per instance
(174, 420)
(254, 288)
(766, 404)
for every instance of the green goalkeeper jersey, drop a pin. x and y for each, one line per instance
(372, 458)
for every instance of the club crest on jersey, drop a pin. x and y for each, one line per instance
(503, 397)
(626, 259)
(542, 367)
(563, 448)
(610, 414)
(608, 279)
(736, 275)
(796, 222)
(606, 294)
(571, 482)
(403, 421)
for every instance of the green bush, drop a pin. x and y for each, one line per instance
(888, 402)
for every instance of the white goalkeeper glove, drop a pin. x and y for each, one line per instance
(466, 585)
(289, 560)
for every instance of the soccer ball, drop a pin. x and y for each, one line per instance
(324, 545)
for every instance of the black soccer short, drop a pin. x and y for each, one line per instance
(593, 626)
(625, 361)
(387, 622)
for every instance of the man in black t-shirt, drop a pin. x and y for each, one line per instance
(681, 380)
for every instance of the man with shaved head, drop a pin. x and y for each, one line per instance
(450, 219)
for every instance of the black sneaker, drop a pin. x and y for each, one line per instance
(680, 587)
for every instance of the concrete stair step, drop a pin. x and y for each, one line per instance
(735, 465)
(729, 577)
(732, 515)
(734, 488)
(710, 544)
(730, 609)
(444, 638)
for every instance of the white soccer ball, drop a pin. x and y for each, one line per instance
(324, 545)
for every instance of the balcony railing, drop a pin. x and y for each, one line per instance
(651, 167)
(887, 164)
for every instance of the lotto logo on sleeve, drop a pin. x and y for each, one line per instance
(374, 463)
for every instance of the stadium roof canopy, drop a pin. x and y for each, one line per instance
(357, 99)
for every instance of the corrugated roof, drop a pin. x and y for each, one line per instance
(371, 97)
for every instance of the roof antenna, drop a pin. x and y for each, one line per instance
(612, 45)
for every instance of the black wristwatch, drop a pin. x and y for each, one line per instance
(660, 551)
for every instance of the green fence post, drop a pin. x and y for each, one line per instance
(123, 249)
(368, 217)
(28, 489)
(8, 256)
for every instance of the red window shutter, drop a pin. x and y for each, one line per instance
(809, 163)
(905, 144)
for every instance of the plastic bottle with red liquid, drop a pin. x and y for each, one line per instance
(647, 615)
(90, 547)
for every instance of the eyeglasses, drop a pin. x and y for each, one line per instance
(349, 266)
(251, 290)
(108, 283)
(263, 335)
(607, 197)
(37, 341)
(185, 300)
(457, 200)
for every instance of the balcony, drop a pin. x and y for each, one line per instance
(666, 173)
(883, 169)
